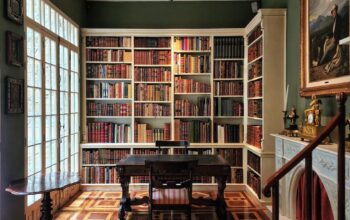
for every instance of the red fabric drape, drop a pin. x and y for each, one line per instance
(321, 207)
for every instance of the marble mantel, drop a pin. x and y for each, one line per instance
(324, 163)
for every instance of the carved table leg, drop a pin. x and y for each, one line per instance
(125, 201)
(220, 200)
(46, 207)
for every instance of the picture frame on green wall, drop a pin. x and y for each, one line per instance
(14, 10)
(14, 96)
(14, 49)
(325, 68)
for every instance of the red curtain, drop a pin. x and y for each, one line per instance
(321, 207)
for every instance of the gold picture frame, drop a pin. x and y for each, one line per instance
(324, 63)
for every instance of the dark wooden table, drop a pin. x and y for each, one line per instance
(43, 184)
(208, 165)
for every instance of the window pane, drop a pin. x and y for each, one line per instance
(48, 128)
(30, 42)
(37, 45)
(53, 153)
(30, 158)
(42, 14)
(48, 105)
(37, 10)
(48, 78)
(48, 160)
(30, 131)
(53, 21)
(37, 159)
(37, 102)
(53, 77)
(30, 102)
(30, 72)
(47, 50)
(60, 25)
(53, 52)
(37, 73)
(53, 127)
(29, 10)
(47, 16)
(53, 102)
(37, 130)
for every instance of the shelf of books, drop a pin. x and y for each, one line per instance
(265, 83)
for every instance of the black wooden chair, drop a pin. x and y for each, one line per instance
(170, 186)
(160, 144)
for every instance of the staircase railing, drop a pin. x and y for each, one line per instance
(273, 181)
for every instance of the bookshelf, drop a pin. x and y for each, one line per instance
(172, 84)
(265, 83)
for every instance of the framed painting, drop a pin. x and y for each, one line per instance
(14, 96)
(14, 50)
(14, 10)
(324, 62)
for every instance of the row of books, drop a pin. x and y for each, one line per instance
(145, 134)
(99, 175)
(142, 151)
(228, 133)
(109, 90)
(152, 57)
(233, 156)
(254, 161)
(153, 42)
(103, 156)
(228, 47)
(228, 107)
(190, 86)
(237, 175)
(152, 74)
(151, 109)
(194, 131)
(257, 32)
(190, 63)
(187, 108)
(228, 88)
(196, 151)
(254, 182)
(107, 132)
(108, 55)
(110, 71)
(255, 69)
(254, 135)
(108, 41)
(192, 43)
(255, 50)
(255, 108)
(255, 88)
(146, 92)
(228, 69)
(108, 109)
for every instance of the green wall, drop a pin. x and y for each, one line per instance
(12, 132)
(168, 14)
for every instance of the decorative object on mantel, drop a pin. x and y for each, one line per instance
(14, 49)
(14, 96)
(311, 127)
(324, 62)
(290, 130)
(14, 10)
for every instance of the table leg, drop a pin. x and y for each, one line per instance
(125, 201)
(46, 207)
(220, 200)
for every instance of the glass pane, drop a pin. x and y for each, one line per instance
(30, 72)
(65, 29)
(53, 52)
(37, 130)
(48, 102)
(47, 16)
(37, 10)
(53, 102)
(53, 127)
(30, 162)
(47, 50)
(53, 21)
(29, 10)
(48, 131)
(53, 153)
(37, 73)
(48, 76)
(53, 77)
(48, 160)
(37, 155)
(37, 45)
(30, 42)
(30, 131)
(76, 36)
(37, 102)
(60, 25)
(42, 16)
(30, 102)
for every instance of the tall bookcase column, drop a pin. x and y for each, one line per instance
(266, 43)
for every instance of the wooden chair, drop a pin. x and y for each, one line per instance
(160, 144)
(170, 186)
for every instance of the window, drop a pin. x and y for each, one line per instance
(52, 76)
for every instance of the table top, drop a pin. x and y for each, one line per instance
(42, 183)
(203, 160)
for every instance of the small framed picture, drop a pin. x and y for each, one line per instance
(14, 96)
(14, 44)
(14, 10)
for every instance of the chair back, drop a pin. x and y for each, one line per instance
(160, 144)
(171, 174)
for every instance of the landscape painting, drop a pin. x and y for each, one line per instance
(325, 62)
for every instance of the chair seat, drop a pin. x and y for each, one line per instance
(170, 196)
